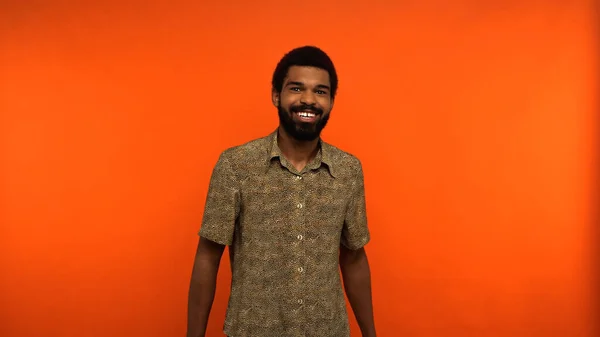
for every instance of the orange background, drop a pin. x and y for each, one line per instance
(473, 119)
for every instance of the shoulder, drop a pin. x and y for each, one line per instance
(246, 155)
(343, 162)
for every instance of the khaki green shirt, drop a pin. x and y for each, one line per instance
(284, 229)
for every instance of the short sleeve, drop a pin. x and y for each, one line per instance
(222, 204)
(355, 233)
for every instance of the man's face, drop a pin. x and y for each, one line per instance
(304, 103)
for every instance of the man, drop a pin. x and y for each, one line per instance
(291, 209)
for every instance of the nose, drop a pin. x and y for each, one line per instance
(307, 97)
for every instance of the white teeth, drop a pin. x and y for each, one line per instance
(306, 114)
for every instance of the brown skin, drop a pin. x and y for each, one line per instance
(303, 85)
(203, 286)
(357, 283)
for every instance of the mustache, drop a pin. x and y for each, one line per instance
(306, 107)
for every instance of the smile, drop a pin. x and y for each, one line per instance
(307, 116)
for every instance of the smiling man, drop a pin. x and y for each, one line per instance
(291, 209)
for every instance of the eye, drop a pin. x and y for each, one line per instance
(295, 89)
(321, 92)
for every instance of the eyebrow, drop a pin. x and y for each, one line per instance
(300, 84)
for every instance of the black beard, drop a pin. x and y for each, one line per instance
(301, 131)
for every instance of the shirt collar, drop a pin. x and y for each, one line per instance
(323, 156)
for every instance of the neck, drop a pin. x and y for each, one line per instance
(299, 153)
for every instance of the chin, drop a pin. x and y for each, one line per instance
(306, 135)
(301, 131)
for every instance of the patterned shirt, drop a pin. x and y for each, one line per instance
(284, 228)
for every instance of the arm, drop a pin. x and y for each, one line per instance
(357, 283)
(218, 224)
(203, 286)
(353, 257)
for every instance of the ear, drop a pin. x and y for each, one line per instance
(275, 96)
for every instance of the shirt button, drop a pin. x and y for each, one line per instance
(300, 269)
(300, 237)
(299, 206)
(298, 177)
(300, 301)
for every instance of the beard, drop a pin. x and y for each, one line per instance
(302, 131)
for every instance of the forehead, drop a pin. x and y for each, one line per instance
(307, 75)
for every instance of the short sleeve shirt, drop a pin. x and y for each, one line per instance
(284, 229)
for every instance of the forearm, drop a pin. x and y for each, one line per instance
(201, 296)
(202, 290)
(357, 283)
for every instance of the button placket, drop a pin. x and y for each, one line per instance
(300, 188)
(300, 206)
(297, 184)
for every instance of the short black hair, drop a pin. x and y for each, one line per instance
(306, 56)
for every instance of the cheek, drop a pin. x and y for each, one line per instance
(286, 102)
(325, 104)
